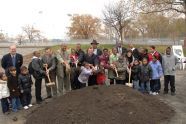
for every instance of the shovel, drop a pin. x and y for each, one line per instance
(116, 71)
(50, 83)
(129, 84)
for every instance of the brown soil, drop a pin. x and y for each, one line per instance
(103, 105)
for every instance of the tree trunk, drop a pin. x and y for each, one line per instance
(121, 35)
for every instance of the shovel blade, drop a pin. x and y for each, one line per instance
(129, 84)
(50, 84)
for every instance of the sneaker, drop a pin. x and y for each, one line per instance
(154, 93)
(173, 94)
(30, 105)
(25, 107)
(150, 92)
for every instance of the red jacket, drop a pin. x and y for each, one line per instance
(105, 60)
(150, 56)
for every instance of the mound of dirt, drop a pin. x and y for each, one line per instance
(103, 105)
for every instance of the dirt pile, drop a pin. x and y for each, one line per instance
(102, 105)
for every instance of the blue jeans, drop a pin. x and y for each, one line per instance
(136, 84)
(145, 86)
(16, 104)
(4, 104)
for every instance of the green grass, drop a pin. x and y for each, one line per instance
(159, 48)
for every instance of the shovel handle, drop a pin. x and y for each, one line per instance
(129, 74)
(48, 75)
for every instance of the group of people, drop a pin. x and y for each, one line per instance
(74, 69)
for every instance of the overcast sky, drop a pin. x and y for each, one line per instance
(50, 16)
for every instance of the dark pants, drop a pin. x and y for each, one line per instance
(119, 81)
(92, 80)
(27, 96)
(159, 85)
(169, 79)
(112, 81)
(38, 89)
(74, 78)
(4, 104)
(154, 84)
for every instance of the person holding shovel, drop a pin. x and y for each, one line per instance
(63, 70)
(121, 69)
(49, 64)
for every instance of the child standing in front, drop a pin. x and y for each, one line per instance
(157, 72)
(101, 77)
(145, 76)
(25, 84)
(86, 71)
(135, 69)
(14, 89)
(4, 93)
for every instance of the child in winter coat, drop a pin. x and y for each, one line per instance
(121, 68)
(101, 77)
(86, 71)
(145, 76)
(135, 70)
(25, 84)
(4, 93)
(14, 89)
(157, 72)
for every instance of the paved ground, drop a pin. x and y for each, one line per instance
(178, 102)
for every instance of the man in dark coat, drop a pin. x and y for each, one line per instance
(49, 61)
(12, 59)
(121, 50)
(96, 51)
(80, 53)
(91, 58)
(135, 51)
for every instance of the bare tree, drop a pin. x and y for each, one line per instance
(2, 37)
(118, 16)
(20, 38)
(151, 6)
(31, 33)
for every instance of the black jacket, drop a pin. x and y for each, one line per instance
(124, 50)
(81, 55)
(13, 86)
(6, 62)
(25, 82)
(37, 66)
(93, 59)
(99, 52)
(135, 72)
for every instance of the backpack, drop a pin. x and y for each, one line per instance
(30, 68)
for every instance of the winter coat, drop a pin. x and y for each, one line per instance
(112, 59)
(25, 82)
(145, 73)
(169, 64)
(135, 72)
(84, 75)
(4, 91)
(101, 77)
(13, 86)
(37, 66)
(157, 71)
(121, 66)
(105, 60)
